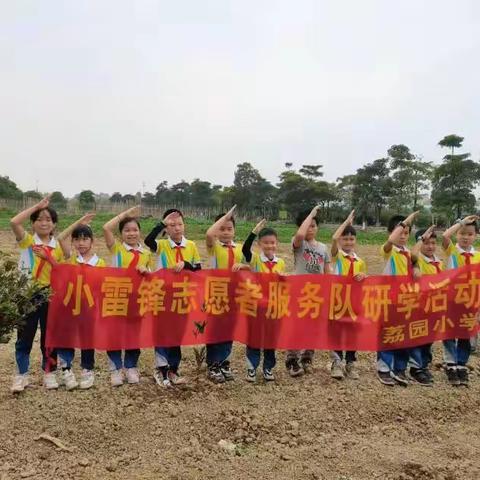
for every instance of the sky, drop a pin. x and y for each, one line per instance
(120, 95)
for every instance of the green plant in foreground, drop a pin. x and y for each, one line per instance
(16, 293)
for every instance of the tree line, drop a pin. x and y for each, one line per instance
(401, 181)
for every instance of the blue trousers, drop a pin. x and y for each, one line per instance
(457, 351)
(25, 336)
(393, 360)
(253, 358)
(218, 352)
(168, 356)
(87, 358)
(130, 360)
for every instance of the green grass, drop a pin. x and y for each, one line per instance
(195, 228)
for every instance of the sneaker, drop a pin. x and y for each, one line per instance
(116, 378)
(227, 371)
(87, 379)
(421, 377)
(176, 379)
(215, 374)
(69, 380)
(251, 375)
(307, 365)
(452, 376)
(161, 378)
(462, 374)
(268, 375)
(336, 371)
(294, 368)
(19, 383)
(133, 376)
(50, 381)
(386, 378)
(428, 373)
(400, 378)
(351, 371)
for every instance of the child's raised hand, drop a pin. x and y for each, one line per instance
(315, 210)
(350, 217)
(416, 273)
(259, 226)
(171, 217)
(43, 203)
(470, 219)
(141, 269)
(428, 233)
(179, 267)
(133, 212)
(411, 217)
(360, 277)
(229, 214)
(87, 218)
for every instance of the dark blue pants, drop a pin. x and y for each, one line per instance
(218, 352)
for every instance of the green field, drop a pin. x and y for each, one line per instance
(196, 229)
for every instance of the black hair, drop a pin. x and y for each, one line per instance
(171, 210)
(220, 215)
(349, 230)
(126, 220)
(267, 231)
(303, 215)
(53, 214)
(421, 232)
(471, 224)
(82, 231)
(394, 221)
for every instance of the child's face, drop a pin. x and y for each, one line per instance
(131, 234)
(82, 245)
(226, 234)
(347, 242)
(428, 247)
(176, 229)
(403, 238)
(43, 226)
(268, 245)
(466, 236)
(312, 231)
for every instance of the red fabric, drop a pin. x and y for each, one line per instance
(270, 265)
(468, 256)
(136, 257)
(408, 259)
(436, 265)
(351, 269)
(178, 254)
(231, 255)
(263, 310)
(42, 262)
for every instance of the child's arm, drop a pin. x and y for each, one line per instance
(110, 227)
(302, 230)
(415, 251)
(339, 231)
(17, 221)
(212, 232)
(394, 237)
(151, 239)
(63, 236)
(450, 232)
(247, 246)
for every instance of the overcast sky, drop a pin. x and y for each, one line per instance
(106, 95)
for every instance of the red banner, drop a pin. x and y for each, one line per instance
(111, 308)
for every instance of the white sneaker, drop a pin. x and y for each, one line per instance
(50, 381)
(19, 383)
(132, 375)
(336, 370)
(69, 379)
(116, 378)
(87, 379)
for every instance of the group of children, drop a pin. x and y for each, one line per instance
(166, 247)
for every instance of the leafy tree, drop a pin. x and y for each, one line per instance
(58, 201)
(451, 141)
(116, 197)
(129, 198)
(149, 198)
(32, 194)
(86, 200)
(180, 193)
(9, 189)
(311, 171)
(454, 181)
(201, 193)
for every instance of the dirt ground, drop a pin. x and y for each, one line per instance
(308, 428)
